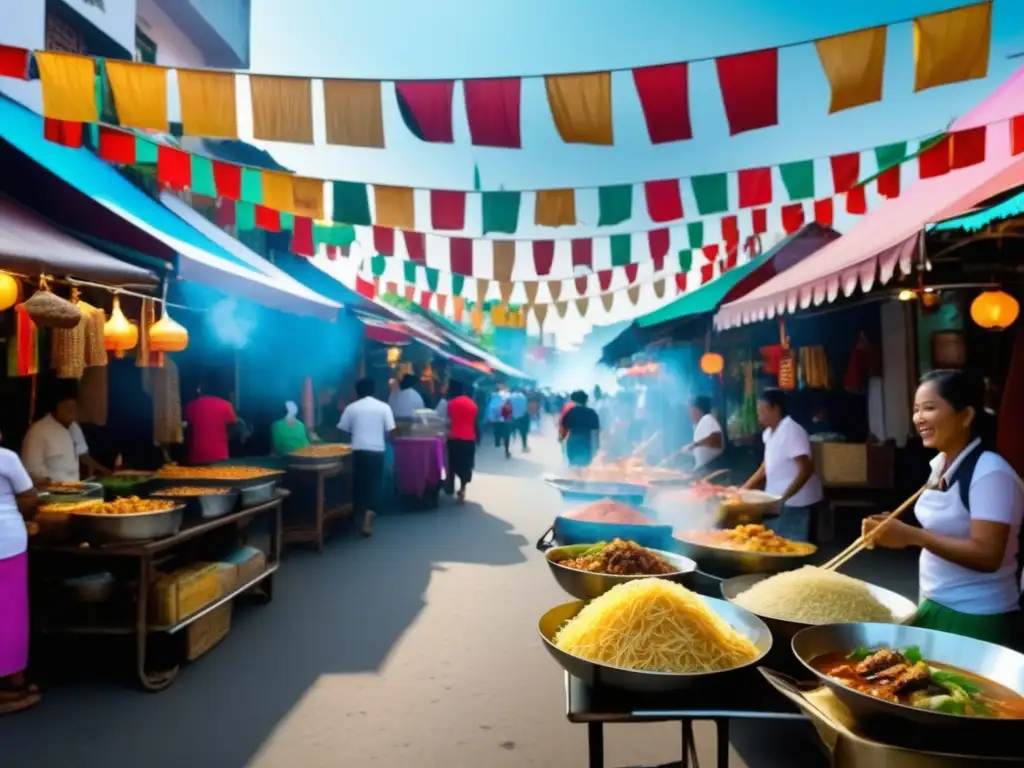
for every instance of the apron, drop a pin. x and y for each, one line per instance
(940, 511)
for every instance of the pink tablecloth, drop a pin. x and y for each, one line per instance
(419, 464)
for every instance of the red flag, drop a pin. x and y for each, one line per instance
(631, 272)
(707, 273)
(604, 279)
(732, 253)
(225, 216)
(447, 209)
(823, 211)
(967, 147)
(658, 241)
(750, 89)
(581, 285)
(442, 302)
(680, 282)
(792, 217)
(888, 182)
(268, 218)
(410, 292)
(856, 201)
(543, 256)
(492, 108)
(426, 107)
(934, 161)
(664, 97)
(174, 169)
(67, 133)
(845, 171)
(425, 299)
(384, 240)
(117, 146)
(759, 221)
(730, 230)
(415, 246)
(755, 187)
(460, 255)
(13, 62)
(365, 288)
(332, 252)
(1017, 135)
(227, 179)
(583, 252)
(302, 237)
(664, 201)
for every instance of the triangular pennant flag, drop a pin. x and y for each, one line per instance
(433, 277)
(505, 290)
(458, 283)
(555, 289)
(409, 271)
(582, 283)
(425, 298)
(481, 290)
(442, 302)
(410, 292)
(604, 279)
(530, 287)
(607, 299)
(561, 307)
(680, 284)
(633, 294)
(581, 306)
(540, 311)
(458, 307)
(631, 273)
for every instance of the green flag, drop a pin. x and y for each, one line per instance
(458, 283)
(351, 203)
(377, 265)
(889, 155)
(245, 216)
(501, 212)
(799, 179)
(252, 185)
(685, 260)
(621, 249)
(615, 205)
(695, 234)
(712, 193)
(432, 277)
(409, 272)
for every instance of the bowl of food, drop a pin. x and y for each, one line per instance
(320, 455)
(216, 475)
(125, 483)
(607, 519)
(793, 600)
(577, 490)
(745, 549)
(653, 635)
(204, 502)
(891, 675)
(128, 519)
(743, 506)
(587, 571)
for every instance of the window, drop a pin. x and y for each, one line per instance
(145, 48)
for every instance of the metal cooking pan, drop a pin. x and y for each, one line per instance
(586, 585)
(988, 660)
(903, 609)
(732, 562)
(591, 672)
(574, 490)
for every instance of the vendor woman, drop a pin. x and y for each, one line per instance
(970, 518)
(288, 434)
(787, 469)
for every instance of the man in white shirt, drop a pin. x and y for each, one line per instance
(369, 422)
(787, 470)
(406, 401)
(54, 447)
(708, 442)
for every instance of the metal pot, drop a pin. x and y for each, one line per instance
(205, 507)
(731, 562)
(585, 585)
(144, 526)
(254, 495)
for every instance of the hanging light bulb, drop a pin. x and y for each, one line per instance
(167, 335)
(995, 310)
(712, 363)
(119, 335)
(907, 295)
(10, 291)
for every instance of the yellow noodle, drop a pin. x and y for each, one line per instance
(654, 625)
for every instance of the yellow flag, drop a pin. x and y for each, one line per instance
(854, 65)
(555, 208)
(207, 103)
(69, 86)
(581, 106)
(504, 259)
(952, 46)
(352, 113)
(278, 192)
(282, 108)
(395, 207)
(140, 94)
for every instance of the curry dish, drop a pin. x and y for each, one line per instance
(751, 538)
(620, 558)
(128, 505)
(904, 677)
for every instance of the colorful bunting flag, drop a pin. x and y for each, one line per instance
(933, 160)
(711, 192)
(823, 212)
(658, 241)
(759, 221)
(952, 46)
(543, 256)
(426, 107)
(460, 255)
(607, 299)
(695, 234)
(582, 253)
(308, 195)
(447, 209)
(492, 109)
(116, 146)
(792, 217)
(555, 289)
(1017, 135)
(282, 108)
(67, 133)
(581, 106)
(140, 94)
(268, 219)
(384, 240)
(854, 64)
(415, 245)
(302, 237)
(14, 62)
(173, 168)
(621, 249)
(351, 203)
(252, 185)
(500, 211)
(845, 171)
(504, 252)
(203, 182)
(664, 97)
(888, 158)
(227, 180)
(395, 206)
(352, 113)
(750, 89)
(69, 86)
(207, 101)
(798, 178)
(555, 208)
(664, 200)
(755, 187)
(278, 192)
(856, 201)
(615, 204)
(967, 148)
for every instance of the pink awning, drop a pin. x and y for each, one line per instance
(890, 234)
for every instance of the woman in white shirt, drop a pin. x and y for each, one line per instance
(787, 469)
(17, 504)
(970, 518)
(708, 442)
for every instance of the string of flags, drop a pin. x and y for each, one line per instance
(948, 47)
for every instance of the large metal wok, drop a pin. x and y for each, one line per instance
(987, 660)
(585, 585)
(593, 673)
(731, 562)
(902, 609)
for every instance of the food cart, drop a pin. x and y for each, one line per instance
(327, 469)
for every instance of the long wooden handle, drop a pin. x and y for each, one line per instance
(864, 539)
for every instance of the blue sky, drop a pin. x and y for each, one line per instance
(392, 39)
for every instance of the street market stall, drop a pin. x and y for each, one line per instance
(320, 466)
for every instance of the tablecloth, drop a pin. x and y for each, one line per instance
(419, 464)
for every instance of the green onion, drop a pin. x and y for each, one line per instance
(913, 654)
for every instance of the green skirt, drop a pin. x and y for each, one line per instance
(1003, 629)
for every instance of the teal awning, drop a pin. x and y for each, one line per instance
(977, 220)
(707, 297)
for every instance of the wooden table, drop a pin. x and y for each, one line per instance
(139, 561)
(297, 532)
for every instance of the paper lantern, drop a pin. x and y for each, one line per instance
(10, 291)
(995, 310)
(119, 335)
(712, 363)
(166, 335)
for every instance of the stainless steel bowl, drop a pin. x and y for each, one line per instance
(730, 562)
(207, 506)
(299, 461)
(144, 526)
(271, 475)
(988, 660)
(903, 609)
(592, 673)
(585, 585)
(254, 495)
(574, 490)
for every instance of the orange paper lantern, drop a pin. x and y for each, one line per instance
(166, 335)
(10, 291)
(712, 363)
(995, 310)
(119, 334)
